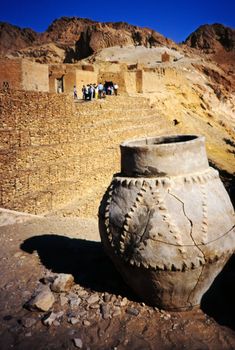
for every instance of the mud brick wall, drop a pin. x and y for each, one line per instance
(54, 151)
(34, 76)
(22, 74)
(10, 72)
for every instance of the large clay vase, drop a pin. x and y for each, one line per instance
(166, 220)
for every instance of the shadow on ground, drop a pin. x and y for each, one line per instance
(84, 259)
(92, 269)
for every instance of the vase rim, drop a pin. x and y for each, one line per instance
(163, 141)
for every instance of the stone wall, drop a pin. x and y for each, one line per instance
(53, 151)
(130, 79)
(154, 80)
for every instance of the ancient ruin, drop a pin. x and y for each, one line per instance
(58, 154)
(165, 57)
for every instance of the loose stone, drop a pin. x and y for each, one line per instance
(105, 311)
(93, 299)
(48, 279)
(82, 313)
(82, 293)
(78, 342)
(86, 323)
(63, 300)
(71, 332)
(124, 301)
(73, 320)
(113, 298)
(18, 255)
(165, 316)
(49, 319)
(117, 311)
(43, 300)
(62, 283)
(107, 297)
(74, 302)
(29, 334)
(59, 314)
(28, 322)
(132, 311)
(175, 326)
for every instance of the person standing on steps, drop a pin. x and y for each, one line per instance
(84, 92)
(75, 95)
(96, 92)
(100, 90)
(115, 87)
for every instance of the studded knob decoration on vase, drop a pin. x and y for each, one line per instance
(166, 220)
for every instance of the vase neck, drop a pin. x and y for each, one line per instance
(164, 156)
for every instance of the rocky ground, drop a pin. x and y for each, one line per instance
(58, 290)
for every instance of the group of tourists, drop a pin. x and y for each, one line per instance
(97, 91)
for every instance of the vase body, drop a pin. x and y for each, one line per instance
(166, 220)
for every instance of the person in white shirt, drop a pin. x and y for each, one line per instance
(115, 86)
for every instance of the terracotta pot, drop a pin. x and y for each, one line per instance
(166, 220)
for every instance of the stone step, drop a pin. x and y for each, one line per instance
(127, 120)
(115, 113)
(112, 103)
(106, 108)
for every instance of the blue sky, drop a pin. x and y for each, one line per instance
(172, 18)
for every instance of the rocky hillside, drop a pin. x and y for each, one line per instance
(77, 38)
(14, 38)
(217, 43)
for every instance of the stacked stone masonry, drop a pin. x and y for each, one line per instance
(54, 150)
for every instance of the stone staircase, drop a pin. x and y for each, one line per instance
(103, 125)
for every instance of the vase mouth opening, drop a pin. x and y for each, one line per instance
(160, 140)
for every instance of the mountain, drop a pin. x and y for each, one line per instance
(212, 38)
(216, 43)
(15, 38)
(77, 38)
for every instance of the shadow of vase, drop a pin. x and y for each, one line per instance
(84, 259)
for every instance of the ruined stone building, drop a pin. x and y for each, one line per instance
(22, 74)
